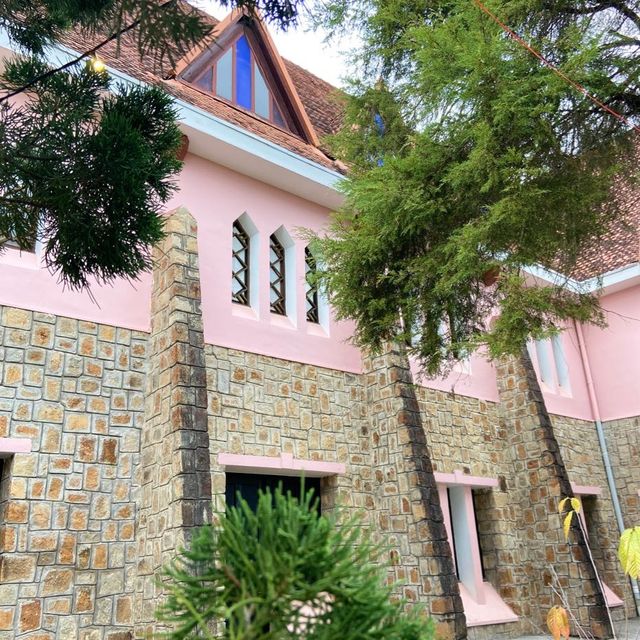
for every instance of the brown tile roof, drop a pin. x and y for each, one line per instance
(323, 104)
(320, 99)
(620, 247)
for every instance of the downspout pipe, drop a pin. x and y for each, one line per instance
(595, 409)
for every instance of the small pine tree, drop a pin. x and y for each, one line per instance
(283, 572)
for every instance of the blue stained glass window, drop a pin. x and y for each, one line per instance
(243, 73)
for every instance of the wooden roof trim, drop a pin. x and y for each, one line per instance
(305, 122)
(209, 42)
(274, 58)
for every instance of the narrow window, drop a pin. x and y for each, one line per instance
(240, 265)
(562, 369)
(311, 287)
(544, 362)
(277, 281)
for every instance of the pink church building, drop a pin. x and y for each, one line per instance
(127, 415)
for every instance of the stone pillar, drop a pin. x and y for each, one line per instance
(407, 511)
(539, 481)
(174, 472)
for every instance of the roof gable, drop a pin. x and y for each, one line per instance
(240, 64)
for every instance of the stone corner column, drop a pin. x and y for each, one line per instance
(407, 506)
(174, 472)
(538, 483)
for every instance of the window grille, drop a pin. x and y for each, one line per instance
(240, 265)
(311, 287)
(277, 277)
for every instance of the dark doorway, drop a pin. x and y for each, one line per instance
(249, 484)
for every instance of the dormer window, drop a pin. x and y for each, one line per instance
(239, 76)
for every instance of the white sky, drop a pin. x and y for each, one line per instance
(305, 48)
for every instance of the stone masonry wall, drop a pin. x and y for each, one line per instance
(174, 472)
(407, 507)
(580, 449)
(538, 481)
(67, 510)
(265, 406)
(623, 442)
(468, 434)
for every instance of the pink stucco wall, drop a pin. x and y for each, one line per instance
(614, 354)
(479, 380)
(215, 196)
(25, 283)
(574, 403)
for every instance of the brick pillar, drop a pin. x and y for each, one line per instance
(174, 471)
(539, 481)
(407, 508)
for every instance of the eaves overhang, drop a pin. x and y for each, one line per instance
(231, 146)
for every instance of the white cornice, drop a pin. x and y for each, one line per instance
(231, 146)
(607, 283)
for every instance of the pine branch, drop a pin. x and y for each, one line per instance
(82, 56)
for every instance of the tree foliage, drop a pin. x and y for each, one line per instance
(283, 572)
(472, 161)
(85, 171)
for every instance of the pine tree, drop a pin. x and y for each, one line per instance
(472, 160)
(283, 572)
(86, 166)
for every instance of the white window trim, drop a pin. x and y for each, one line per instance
(482, 603)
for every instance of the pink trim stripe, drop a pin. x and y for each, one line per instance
(10, 446)
(285, 465)
(586, 489)
(462, 479)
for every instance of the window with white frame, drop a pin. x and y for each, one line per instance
(482, 603)
(591, 520)
(244, 262)
(282, 274)
(552, 368)
(241, 262)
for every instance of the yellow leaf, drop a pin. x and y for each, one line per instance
(561, 505)
(629, 552)
(566, 525)
(558, 623)
(575, 505)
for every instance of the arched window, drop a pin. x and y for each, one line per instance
(311, 287)
(240, 265)
(277, 277)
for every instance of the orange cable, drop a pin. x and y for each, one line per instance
(553, 68)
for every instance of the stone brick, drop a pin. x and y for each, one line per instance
(30, 615)
(49, 412)
(57, 582)
(17, 568)
(108, 453)
(16, 512)
(6, 618)
(18, 318)
(124, 613)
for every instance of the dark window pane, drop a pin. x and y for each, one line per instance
(248, 485)
(205, 79)
(277, 277)
(243, 73)
(311, 287)
(240, 265)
